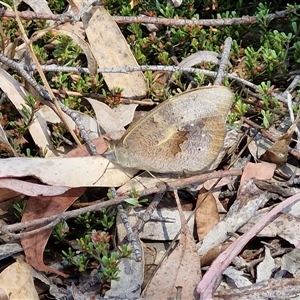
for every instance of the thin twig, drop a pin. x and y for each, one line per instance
(8, 229)
(170, 185)
(48, 100)
(85, 7)
(63, 18)
(144, 68)
(224, 61)
(53, 103)
(74, 115)
(131, 234)
(146, 216)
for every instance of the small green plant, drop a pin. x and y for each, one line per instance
(66, 52)
(239, 110)
(60, 231)
(268, 118)
(106, 218)
(80, 261)
(88, 219)
(19, 208)
(266, 89)
(262, 17)
(95, 245)
(109, 266)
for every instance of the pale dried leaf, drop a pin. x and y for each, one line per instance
(9, 249)
(262, 171)
(17, 281)
(90, 171)
(131, 279)
(111, 50)
(181, 268)
(291, 262)
(16, 94)
(39, 6)
(284, 226)
(236, 277)
(125, 113)
(30, 188)
(200, 57)
(106, 117)
(158, 230)
(266, 267)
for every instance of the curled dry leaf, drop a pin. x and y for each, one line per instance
(278, 153)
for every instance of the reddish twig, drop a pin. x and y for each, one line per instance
(206, 286)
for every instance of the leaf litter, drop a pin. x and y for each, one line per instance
(54, 184)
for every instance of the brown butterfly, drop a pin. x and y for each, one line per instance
(182, 135)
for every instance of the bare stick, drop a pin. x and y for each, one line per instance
(224, 61)
(131, 235)
(146, 216)
(143, 68)
(63, 18)
(170, 185)
(48, 100)
(54, 103)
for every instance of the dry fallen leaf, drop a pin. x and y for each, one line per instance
(181, 269)
(17, 282)
(31, 188)
(278, 153)
(110, 49)
(90, 171)
(38, 128)
(207, 214)
(262, 171)
(40, 207)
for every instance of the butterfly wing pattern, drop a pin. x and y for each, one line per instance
(184, 134)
